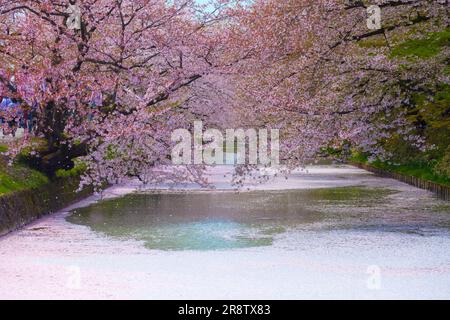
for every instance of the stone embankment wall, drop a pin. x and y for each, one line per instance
(20, 208)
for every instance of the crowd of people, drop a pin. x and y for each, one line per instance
(15, 115)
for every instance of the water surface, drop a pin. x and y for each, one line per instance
(228, 220)
(328, 243)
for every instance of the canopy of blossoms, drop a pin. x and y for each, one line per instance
(108, 81)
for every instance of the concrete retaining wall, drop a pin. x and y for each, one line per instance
(20, 208)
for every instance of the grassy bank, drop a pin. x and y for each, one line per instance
(18, 176)
(420, 170)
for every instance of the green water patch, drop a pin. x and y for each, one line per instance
(441, 207)
(216, 220)
(351, 194)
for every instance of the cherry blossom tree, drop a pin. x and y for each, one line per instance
(319, 71)
(113, 88)
(110, 80)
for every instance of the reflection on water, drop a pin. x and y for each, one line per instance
(213, 221)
